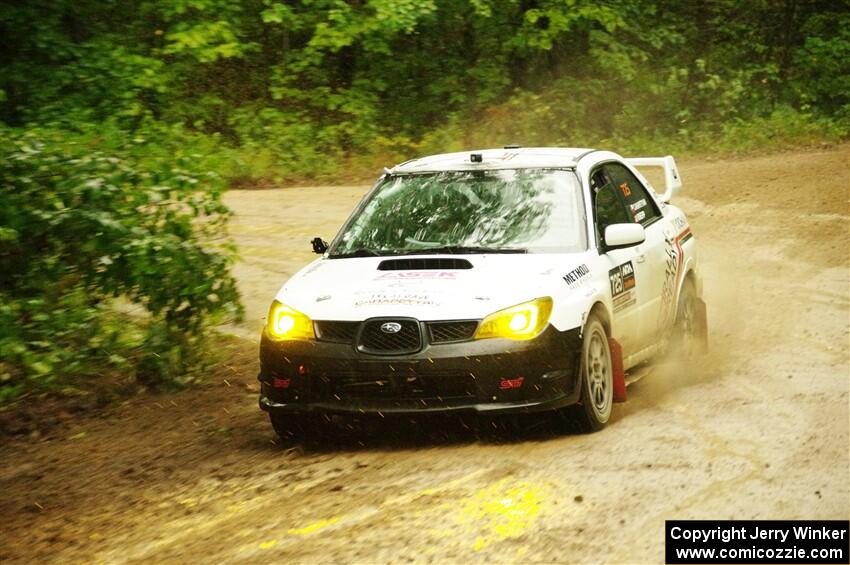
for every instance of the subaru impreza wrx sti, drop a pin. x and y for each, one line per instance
(493, 281)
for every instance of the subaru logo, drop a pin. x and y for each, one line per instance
(391, 328)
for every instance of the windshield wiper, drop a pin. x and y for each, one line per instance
(356, 253)
(463, 249)
(442, 249)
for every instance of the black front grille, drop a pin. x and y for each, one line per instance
(359, 386)
(374, 339)
(424, 264)
(393, 383)
(341, 332)
(400, 387)
(441, 332)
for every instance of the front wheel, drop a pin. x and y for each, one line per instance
(597, 380)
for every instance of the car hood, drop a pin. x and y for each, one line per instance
(356, 289)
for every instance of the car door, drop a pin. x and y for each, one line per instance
(609, 208)
(650, 258)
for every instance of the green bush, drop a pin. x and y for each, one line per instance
(86, 221)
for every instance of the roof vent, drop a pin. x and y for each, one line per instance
(476, 157)
(424, 264)
(513, 146)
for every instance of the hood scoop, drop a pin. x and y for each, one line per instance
(424, 264)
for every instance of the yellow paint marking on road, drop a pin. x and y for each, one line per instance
(314, 527)
(365, 513)
(184, 527)
(268, 544)
(502, 510)
(405, 498)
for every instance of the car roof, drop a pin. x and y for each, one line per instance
(503, 158)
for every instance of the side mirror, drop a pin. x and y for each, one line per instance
(319, 245)
(618, 236)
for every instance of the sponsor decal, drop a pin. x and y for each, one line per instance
(419, 275)
(403, 299)
(506, 384)
(680, 223)
(637, 213)
(625, 300)
(627, 191)
(577, 275)
(672, 274)
(623, 282)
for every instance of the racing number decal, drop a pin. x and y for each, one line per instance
(627, 191)
(622, 279)
(623, 282)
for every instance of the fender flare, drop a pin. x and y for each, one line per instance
(688, 270)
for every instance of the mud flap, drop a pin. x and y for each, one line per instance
(702, 325)
(618, 375)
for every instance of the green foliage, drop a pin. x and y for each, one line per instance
(324, 89)
(83, 225)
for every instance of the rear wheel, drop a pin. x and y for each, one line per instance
(687, 338)
(597, 381)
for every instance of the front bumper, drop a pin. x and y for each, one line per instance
(486, 376)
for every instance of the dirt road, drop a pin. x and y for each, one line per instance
(758, 430)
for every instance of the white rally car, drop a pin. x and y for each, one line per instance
(494, 281)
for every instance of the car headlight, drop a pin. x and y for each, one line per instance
(523, 321)
(288, 323)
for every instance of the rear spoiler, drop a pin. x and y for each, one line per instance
(672, 180)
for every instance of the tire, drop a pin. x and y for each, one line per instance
(294, 427)
(596, 381)
(687, 337)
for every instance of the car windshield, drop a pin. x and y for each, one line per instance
(506, 211)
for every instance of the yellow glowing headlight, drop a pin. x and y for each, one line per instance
(287, 323)
(523, 321)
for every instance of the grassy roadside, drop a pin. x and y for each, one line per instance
(785, 129)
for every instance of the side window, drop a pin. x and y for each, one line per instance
(642, 208)
(608, 207)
